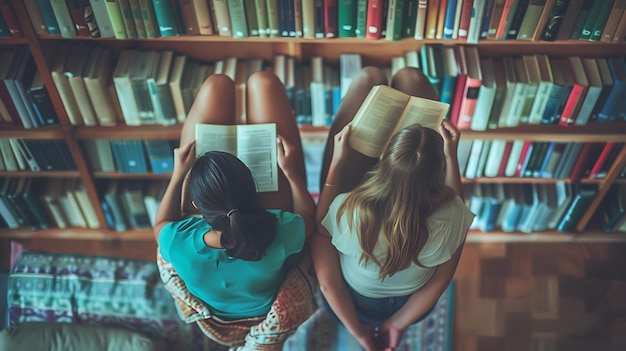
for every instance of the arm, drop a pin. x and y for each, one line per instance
(420, 301)
(303, 204)
(451, 136)
(334, 288)
(170, 209)
(334, 178)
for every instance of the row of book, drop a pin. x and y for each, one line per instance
(537, 159)
(35, 155)
(130, 155)
(531, 208)
(470, 20)
(489, 92)
(9, 25)
(41, 204)
(24, 99)
(62, 203)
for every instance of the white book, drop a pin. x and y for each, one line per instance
(318, 90)
(544, 89)
(123, 88)
(87, 209)
(64, 19)
(486, 96)
(531, 212)
(594, 90)
(253, 144)
(516, 152)
(51, 201)
(69, 205)
(478, 11)
(102, 18)
(6, 152)
(349, 66)
(495, 158)
(474, 157)
(563, 198)
(482, 160)
(463, 152)
(19, 154)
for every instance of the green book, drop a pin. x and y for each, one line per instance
(361, 18)
(603, 16)
(237, 13)
(261, 18)
(164, 18)
(251, 18)
(590, 22)
(394, 20)
(346, 18)
(135, 12)
(272, 18)
(149, 18)
(127, 18)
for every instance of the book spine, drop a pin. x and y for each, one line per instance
(346, 18)
(10, 19)
(374, 19)
(420, 19)
(164, 18)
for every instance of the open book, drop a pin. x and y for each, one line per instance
(254, 144)
(384, 112)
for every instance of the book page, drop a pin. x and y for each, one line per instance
(256, 147)
(376, 119)
(425, 112)
(215, 137)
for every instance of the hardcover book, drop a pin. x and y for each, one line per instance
(384, 112)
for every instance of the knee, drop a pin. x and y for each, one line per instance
(371, 75)
(217, 82)
(413, 81)
(264, 81)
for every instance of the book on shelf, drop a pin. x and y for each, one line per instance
(620, 31)
(611, 110)
(516, 19)
(129, 20)
(615, 14)
(495, 158)
(601, 21)
(105, 26)
(253, 144)
(486, 21)
(432, 14)
(129, 155)
(581, 198)
(160, 155)
(80, 59)
(506, 19)
(473, 82)
(98, 155)
(202, 12)
(190, 21)
(384, 112)
(492, 203)
(441, 18)
(449, 19)
(111, 197)
(117, 22)
(11, 22)
(165, 18)
(40, 99)
(574, 69)
(562, 86)
(539, 71)
(612, 209)
(131, 201)
(473, 159)
(532, 85)
(590, 22)
(152, 198)
(506, 154)
(568, 160)
(551, 27)
(420, 19)
(476, 17)
(515, 97)
(86, 207)
(96, 77)
(608, 162)
(594, 90)
(36, 17)
(569, 19)
(346, 18)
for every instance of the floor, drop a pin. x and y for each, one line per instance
(526, 297)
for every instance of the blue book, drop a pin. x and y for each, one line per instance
(160, 155)
(614, 105)
(336, 100)
(484, 27)
(48, 17)
(4, 29)
(538, 173)
(448, 24)
(135, 156)
(577, 207)
(116, 150)
(165, 17)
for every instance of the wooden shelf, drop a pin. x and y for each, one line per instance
(473, 237)
(521, 180)
(51, 132)
(118, 175)
(42, 174)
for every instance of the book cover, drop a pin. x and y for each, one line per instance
(569, 19)
(486, 22)
(472, 87)
(308, 19)
(578, 91)
(506, 18)
(160, 155)
(449, 18)
(372, 128)
(420, 19)
(473, 159)
(494, 158)
(117, 22)
(237, 13)
(127, 18)
(258, 153)
(346, 18)
(580, 202)
(552, 25)
(432, 15)
(165, 17)
(590, 21)
(49, 18)
(394, 20)
(7, 13)
(516, 20)
(612, 109)
(36, 18)
(331, 25)
(40, 99)
(102, 19)
(613, 20)
(620, 31)
(601, 20)
(477, 14)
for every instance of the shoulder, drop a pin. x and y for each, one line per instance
(447, 228)
(290, 230)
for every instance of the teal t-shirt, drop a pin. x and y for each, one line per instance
(232, 288)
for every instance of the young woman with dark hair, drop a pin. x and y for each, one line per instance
(230, 244)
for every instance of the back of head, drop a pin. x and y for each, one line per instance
(223, 189)
(399, 194)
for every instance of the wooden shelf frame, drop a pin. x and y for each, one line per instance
(373, 52)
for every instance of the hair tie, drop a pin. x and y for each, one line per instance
(231, 212)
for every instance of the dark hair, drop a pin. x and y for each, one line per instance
(220, 182)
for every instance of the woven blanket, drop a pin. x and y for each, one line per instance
(323, 333)
(293, 305)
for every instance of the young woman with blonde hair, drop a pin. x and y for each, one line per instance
(390, 231)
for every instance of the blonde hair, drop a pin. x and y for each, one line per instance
(398, 196)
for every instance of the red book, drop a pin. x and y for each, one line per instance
(330, 19)
(505, 158)
(10, 19)
(460, 86)
(77, 12)
(505, 19)
(523, 158)
(576, 97)
(472, 86)
(373, 26)
(588, 154)
(466, 17)
(604, 154)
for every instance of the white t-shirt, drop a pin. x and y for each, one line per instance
(447, 227)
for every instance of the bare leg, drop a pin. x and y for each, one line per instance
(267, 103)
(214, 104)
(412, 81)
(357, 164)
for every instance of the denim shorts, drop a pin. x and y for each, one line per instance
(372, 310)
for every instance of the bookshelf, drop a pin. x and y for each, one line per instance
(373, 52)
